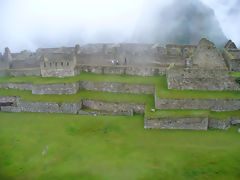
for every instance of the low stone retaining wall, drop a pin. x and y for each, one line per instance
(219, 124)
(117, 87)
(113, 106)
(13, 99)
(211, 104)
(44, 107)
(55, 89)
(176, 123)
(95, 113)
(20, 72)
(87, 85)
(8, 101)
(75, 108)
(20, 86)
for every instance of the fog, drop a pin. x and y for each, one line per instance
(30, 24)
(179, 22)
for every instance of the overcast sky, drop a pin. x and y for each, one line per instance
(29, 24)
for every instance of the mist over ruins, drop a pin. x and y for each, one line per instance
(119, 89)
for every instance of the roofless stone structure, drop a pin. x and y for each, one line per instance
(187, 67)
(197, 67)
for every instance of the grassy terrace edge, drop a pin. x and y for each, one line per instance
(159, 82)
(148, 100)
(234, 74)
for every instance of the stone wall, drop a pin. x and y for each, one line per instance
(44, 107)
(117, 87)
(233, 64)
(8, 101)
(20, 86)
(176, 123)
(113, 106)
(201, 79)
(219, 124)
(26, 63)
(20, 72)
(75, 108)
(55, 89)
(123, 70)
(24, 72)
(73, 88)
(105, 113)
(211, 104)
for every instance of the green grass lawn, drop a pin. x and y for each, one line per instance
(88, 147)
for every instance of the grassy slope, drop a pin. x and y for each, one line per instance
(88, 147)
(234, 74)
(159, 81)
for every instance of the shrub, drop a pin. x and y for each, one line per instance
(237, 80)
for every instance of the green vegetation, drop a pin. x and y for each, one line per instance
(159, 81)
(237, 80)
(161, 91)
(114, 147)
(88, 147)
(81, 77)
(148, 100)
(82, 94)
(224, 115)
(234, 74)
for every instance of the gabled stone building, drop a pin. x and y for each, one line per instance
(58, 65)
(231, 55)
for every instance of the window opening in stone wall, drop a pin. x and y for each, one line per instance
(55, 64)
(50, 64)
(67, 63)
(62, 64)
(44, 64)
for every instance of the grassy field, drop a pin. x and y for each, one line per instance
(159, 81)
(88, 147)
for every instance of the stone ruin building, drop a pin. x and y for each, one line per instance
(197, 67)
(232, 56)
(58, 65)
(187, 67)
